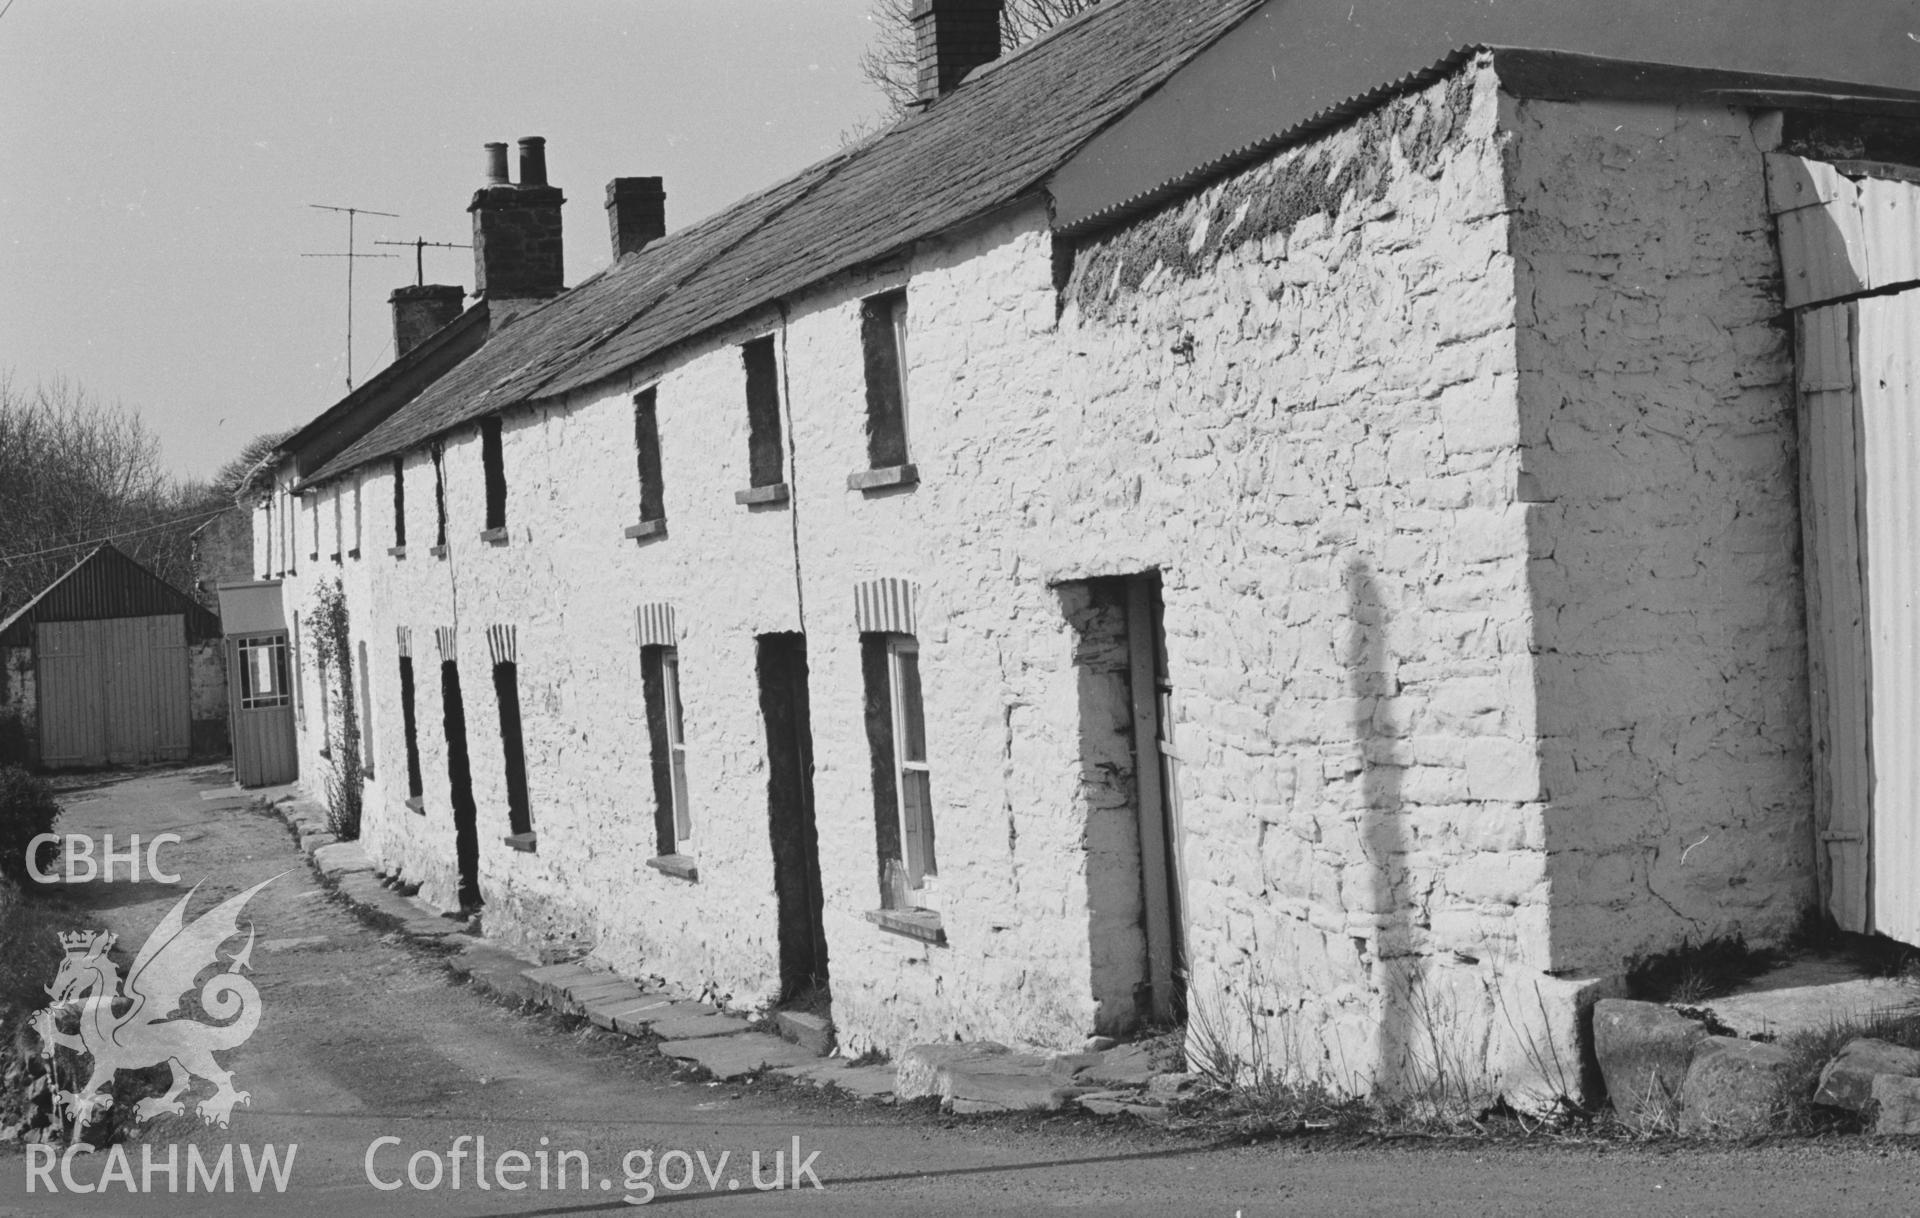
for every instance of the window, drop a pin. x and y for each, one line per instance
(766, 463)
(266, 536)
(358, 482)
(903, 804)
(399, 504)
(409, 724)
(513, 749)
(496, 473)
(313, 507)
(366, 712)
(646, 447)
(883, 340)
(660, 677)
(440, 498)
(339, 527)
(263, 672)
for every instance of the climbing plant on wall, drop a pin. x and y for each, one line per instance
(334, 652)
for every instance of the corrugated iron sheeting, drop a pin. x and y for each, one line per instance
(1890, 501)
(107, 584)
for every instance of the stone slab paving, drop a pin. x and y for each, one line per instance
(692, 1027)
(341, 858)
(866, 1082)
(1814, 1008)
(689, 1030)
(736, 1056)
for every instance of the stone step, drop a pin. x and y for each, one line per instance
(806, 1030)
(731, 1057)
(866, 1082)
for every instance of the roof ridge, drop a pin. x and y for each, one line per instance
(613, 332)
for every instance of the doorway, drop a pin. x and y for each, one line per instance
(1128, 796)
(782, 667)
(466, 815)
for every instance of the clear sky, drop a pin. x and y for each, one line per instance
(157, 160)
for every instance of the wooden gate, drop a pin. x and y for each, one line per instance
(113, 691)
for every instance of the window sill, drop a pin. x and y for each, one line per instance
(314, 557)
(645, 529)
(884, 478)
(921, 924)
(523, 842)
(439, 551)
(494, 537)
(418, 804)
(354, 553)
(326, 754)
(756, 495)
(396, 551)
(334, 558)
(680, 866)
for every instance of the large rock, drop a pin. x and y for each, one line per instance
(1899, 1100)
(1735, 1087)
(1644, 1050)
(918, 1071)
(1847, 1082)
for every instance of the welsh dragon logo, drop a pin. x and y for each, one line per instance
(135, 1029)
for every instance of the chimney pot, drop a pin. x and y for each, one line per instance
(496, 164)
(533, 161)
(517, 253)
(636, 213)
(952, 38)
(419, 311)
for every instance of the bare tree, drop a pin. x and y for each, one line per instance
(891, 63)
(76, 471)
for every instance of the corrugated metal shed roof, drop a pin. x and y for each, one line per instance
(992, 140)
(107, 584)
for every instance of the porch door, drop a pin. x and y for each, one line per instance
(260, 702)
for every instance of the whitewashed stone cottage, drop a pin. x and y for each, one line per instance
(1237, 509)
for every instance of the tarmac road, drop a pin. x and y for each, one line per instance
(362, 1038)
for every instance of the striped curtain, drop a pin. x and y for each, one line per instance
(448, 642)
(403, 638)
(658, 627)
(887, 606)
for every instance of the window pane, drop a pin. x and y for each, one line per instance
(917, 808)
(670, 675)
(682, 818)
(912, 717)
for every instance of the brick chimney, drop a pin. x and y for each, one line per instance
(516, 228)
(636, 214)
(419, 311)
(952, 38)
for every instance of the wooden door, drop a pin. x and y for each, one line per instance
(260, 695)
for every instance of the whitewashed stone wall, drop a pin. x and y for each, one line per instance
(1301, 397)
(1669, 619)
(1296, 395)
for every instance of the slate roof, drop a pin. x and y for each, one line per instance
(989, 142)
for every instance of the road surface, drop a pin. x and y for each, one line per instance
(371, 1063)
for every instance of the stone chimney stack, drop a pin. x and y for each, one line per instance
(636, 214)
(517, 252)
(420, 311)
(952, 38)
